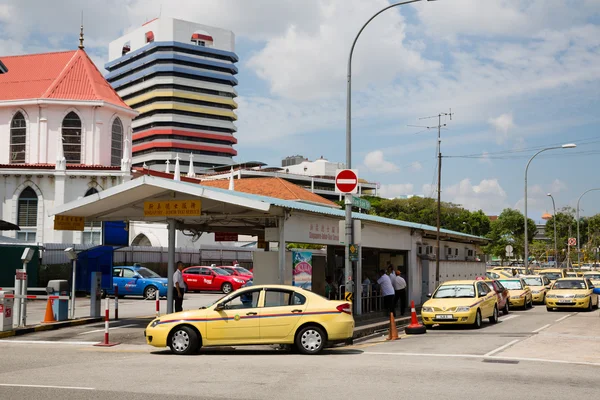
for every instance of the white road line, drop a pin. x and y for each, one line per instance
(102, 330)
(540, 329)
(563, 318)
(483, 357)
(45, 342)
(499, 349)
(509, 317)
(47, 386)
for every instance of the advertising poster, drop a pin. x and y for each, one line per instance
(302, 273)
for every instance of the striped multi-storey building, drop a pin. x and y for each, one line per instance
(180, 77)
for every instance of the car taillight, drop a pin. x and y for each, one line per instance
(345, 308)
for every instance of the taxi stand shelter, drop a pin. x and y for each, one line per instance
(195, 209)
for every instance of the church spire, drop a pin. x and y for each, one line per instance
(81, 33)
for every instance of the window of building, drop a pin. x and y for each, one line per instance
(27, 215)
(116, 145)
(92, 232)
(71, 137)
(18, 137)
(202, 38)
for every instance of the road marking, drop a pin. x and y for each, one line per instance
(540, 329)
(47, 386)
(102, 330)
(47, 342)
(563, 318)
(483, 357)
(499, 349)
(509, 317)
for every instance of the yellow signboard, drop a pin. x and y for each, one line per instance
(348, 296)
(67, 223)
(172, 208)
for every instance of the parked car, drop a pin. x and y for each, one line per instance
(501, 293)
(200, 278)
(539, 286)
(136, 280)
(572, 293)
(519, 292)
(238, 271)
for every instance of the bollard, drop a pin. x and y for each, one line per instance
(116, 303)
(157, 304)
(106, 342)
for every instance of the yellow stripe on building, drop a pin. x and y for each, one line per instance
(182, 95)
(189, 108)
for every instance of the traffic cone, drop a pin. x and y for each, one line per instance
(415, 328)
(49, 317)
(393, 329)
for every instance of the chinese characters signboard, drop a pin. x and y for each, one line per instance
(67, 223)
(172, 208)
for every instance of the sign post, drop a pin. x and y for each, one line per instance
(346, 181)
(361, 203)
(509, 251)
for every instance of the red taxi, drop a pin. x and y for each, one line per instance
(211, 279)
(501, 293)
(236, 270)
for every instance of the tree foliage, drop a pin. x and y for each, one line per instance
(566, 227)
(509, 229)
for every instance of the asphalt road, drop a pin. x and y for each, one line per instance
(529, 354)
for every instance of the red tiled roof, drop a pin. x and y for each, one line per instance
(67, 75)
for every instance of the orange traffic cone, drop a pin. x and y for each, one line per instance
(393, 329)
(415, 328)
(49, 317)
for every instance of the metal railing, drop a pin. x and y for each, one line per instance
(371, 299)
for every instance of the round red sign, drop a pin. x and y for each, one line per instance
(346, 181)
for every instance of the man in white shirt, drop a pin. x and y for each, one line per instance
(400, 291)
(179, 287)
(387, 291)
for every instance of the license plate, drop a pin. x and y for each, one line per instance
(565, 301)
(444, 316)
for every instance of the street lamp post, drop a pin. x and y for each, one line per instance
(526, 247)
(555, 241)
(348, 197)
(578, 245)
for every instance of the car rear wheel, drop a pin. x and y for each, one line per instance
(150, 293)
(477, 323)
(226, 288)
(590, 306)
(505, 310)
(310, 340)
(184, 340)
(494, 317)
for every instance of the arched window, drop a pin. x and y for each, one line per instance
(71, 138)
(92, 233)
(141, 240)
(116, 145)
(27, 215)
(18, 136)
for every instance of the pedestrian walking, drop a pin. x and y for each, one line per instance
(179, 287)
(400, 291)
(387, 291)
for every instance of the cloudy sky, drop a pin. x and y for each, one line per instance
(519, 75)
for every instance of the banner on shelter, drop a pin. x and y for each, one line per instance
(302, 272)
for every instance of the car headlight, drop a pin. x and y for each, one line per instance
(165, 285)
(581, 296)
(427, 309)
(154, 323)
(238, 280)
(463, 309)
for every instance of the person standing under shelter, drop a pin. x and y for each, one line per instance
(179, 287)
(387, 291)
(400, 291)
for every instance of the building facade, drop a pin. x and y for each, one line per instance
(180, 77)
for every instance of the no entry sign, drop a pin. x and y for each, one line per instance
(346, 181)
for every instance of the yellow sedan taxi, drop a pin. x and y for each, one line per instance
(593, 276)
(261, 314)
(553, 273)
(520, 294)
(461, 302)
(572, 293)
(539, 285)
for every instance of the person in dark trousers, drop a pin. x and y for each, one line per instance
(387, 291)
(400, 291)
(179, 287)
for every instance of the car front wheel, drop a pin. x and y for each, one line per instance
(226, 288)
(505, 310)
(310, 340)
(184, 340)
(494, 317)
(150, 293)
(477, 323)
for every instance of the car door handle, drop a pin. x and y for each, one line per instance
(251, 313)
(296, 311)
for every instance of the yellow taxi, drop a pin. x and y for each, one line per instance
(520, 294)
(509, 270)
(261, 314)
(461, 302)
(572, 293)
(553, 273)
(593, 276)
(497, 274)
(539, 285)
(572, 274)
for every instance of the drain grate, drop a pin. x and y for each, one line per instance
(495, 361)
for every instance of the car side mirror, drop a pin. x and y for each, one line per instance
(137, 276)
(548, 286)
(220, 307)
(429, 295)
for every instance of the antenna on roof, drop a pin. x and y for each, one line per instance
(81, 33)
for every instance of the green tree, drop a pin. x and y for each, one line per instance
(509, 229)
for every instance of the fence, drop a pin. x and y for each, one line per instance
(371, 300)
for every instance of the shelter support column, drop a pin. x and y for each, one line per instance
(281, 224)
(171, 265)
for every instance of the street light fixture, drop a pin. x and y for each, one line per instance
(348, 196)
(526, 247)
(555, 241)
(578, 245)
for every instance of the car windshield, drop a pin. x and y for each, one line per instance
(592, 276)
(454, 291)
(571, 274)
(533, 281)
(221, 271)
(552, 275)
(512, 285)
(569, 284)
(243, 271)
(146, 273)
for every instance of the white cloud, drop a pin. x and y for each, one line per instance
(376, 162)
(557, 186)
(488, 195)
(502, 124)
(396, 189)
(416, 166)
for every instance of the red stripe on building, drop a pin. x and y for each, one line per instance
(187, 146)
(199, 135)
